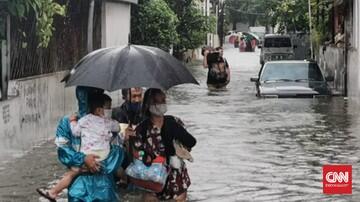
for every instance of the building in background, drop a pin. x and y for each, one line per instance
(341, 59)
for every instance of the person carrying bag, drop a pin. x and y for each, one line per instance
(153, 148)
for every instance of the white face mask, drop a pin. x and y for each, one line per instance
(108, 113)
(158, 109)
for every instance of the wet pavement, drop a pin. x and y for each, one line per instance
(249, 149)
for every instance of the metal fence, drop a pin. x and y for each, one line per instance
(66, 47)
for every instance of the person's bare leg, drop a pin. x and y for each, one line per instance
(150, 197)
(181, 197)
(120, 173)
(64, 182)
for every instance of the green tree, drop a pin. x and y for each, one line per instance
(268, 9)
(289, 15)
(321, 18)
(44, 11)
(233, 14)
(193, 25)
(292, 15)
(253, 12)
(154, 24)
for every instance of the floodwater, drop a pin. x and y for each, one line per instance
(248, 149)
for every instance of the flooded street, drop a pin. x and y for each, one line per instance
(252, 149)
(248, 149)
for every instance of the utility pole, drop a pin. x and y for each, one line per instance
(310, 24)
(5, 56)
(221, 22)
(90, 26)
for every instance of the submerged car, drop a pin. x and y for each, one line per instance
(291, 79)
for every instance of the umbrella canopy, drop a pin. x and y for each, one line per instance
(250, 36)
(253, 35)
(129, 66)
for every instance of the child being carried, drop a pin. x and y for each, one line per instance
(96, 132)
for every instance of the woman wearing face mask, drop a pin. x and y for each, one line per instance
(154, 140)
(95, 130)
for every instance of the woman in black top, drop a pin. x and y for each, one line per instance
(154, 138)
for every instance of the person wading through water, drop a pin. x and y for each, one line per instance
(219, 70)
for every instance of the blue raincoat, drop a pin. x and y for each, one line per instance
(87, 187)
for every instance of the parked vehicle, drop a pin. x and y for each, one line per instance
(276, 47)
(291, 79)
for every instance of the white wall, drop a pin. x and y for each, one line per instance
(332, 61)
(32, 116)
(115, 23)
(354, 56)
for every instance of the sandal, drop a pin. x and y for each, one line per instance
(44, 193)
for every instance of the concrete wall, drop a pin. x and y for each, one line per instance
(332, 62)
(354, 56)
(31, 116)
(354, 75)
(115, 23)
(213, 40)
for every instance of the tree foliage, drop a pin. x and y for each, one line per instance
(154, 23)
(321, 14)
(193, 25)
(44, 11)
(292, 15)
(233, 14)
(163, 23)
(289, 15)
(249, 11)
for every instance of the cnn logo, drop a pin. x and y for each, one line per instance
(337, 179)
(333, 177)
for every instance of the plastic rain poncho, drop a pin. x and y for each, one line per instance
(87, 187)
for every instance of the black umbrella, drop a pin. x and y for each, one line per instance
(129, 66)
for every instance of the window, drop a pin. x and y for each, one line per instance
(291, 72)
(277, 42)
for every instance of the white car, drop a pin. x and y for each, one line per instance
(276, 47)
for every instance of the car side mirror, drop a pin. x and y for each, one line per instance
(295, 46)
(254, 79)
(329, 78)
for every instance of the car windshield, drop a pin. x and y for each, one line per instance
(291, 72)
(277, 42)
